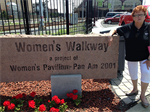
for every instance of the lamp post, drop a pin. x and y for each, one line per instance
(47, 9)
(64, 4)
(122, 1)
(41, 15)
(82, 10)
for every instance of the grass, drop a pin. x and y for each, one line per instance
(74, 29)
(6, 24)
(35, 22)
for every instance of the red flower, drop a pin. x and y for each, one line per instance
(49, 101)
(11, 106)
(68, 95)
(42, 107)
(6, 103)
(24, 95)
(56, 99)
(19, 96)
(75, 91)
(54, 109)
(75, 97)
(31, 103)
(32, 94)
(13, 97)
(71, 95)
(62, 101)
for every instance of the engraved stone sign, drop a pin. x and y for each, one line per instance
(28, 58)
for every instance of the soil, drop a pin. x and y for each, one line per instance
(97, 95)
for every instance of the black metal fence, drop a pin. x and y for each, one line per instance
(40, 17)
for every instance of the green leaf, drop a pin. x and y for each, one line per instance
(17, 109)
(14, 101)
(52, 104)
(36, 110)
(79, 96)
(37, 102)
(19, 105)
(77, 103)
(66, 106)
(2, 108)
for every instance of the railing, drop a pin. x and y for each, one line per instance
(39, 17)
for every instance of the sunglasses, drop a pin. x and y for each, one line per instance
(139, 15)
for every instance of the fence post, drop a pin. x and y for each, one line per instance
(67, 17)
(87, 17)
(89, 10)
(90, 14)
(26, 17)
(94, 10)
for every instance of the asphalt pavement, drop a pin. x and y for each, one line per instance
(122, 83)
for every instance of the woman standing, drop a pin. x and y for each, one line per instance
(136, 44)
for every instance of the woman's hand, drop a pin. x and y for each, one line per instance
(147, 64)
(110, 40)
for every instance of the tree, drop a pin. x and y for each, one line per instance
(104, 2)
(122, 1)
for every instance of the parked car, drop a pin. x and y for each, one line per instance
(111, 14)
(127, 18)
(112, 19)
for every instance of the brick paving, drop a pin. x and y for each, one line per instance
(123, 84)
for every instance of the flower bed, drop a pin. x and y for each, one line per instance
(96, 96)
(17, 102)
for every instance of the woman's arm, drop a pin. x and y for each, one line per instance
(147, 62)
(149, 58)
(110, 37)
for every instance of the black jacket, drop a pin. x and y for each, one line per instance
(136, 41)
